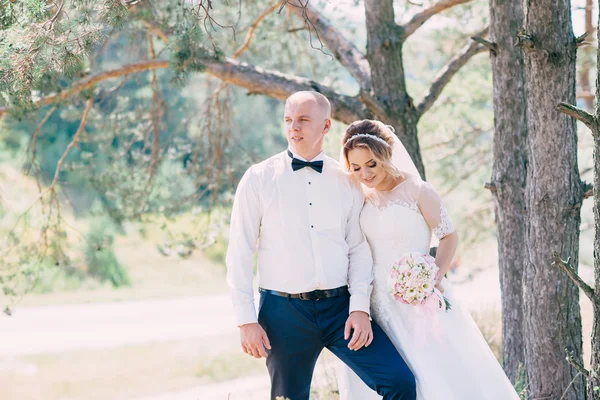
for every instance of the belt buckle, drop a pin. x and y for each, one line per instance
(304, 296)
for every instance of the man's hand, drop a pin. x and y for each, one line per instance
(363, 333)
(254, 340)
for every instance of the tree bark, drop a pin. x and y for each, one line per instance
(509, 173)
(594, 377)
(553, 196)
(384, 51)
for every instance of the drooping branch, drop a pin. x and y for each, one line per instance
(74, 142)
(444, 76)
(34, 139)
(157, 112)
(415, 23)
(565, 266)
(343, 50)
(581, 115)
(257, 80)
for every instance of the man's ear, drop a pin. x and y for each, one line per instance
(327, 126)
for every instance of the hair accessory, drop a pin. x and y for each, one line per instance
(367, 135)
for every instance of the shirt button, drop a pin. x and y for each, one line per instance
(312, 226)
(309, 183)
(310, 204)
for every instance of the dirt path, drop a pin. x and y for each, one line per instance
(52, 329)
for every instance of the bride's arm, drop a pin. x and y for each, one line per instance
(437, 218)
(445, 254)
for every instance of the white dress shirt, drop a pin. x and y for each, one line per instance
(305, 226)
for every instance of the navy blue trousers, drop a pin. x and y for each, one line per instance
(299, 330)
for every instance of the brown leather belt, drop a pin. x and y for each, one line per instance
(314, 295)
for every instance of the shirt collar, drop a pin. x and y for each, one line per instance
(318, 157)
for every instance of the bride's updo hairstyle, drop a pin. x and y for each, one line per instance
(374, 136)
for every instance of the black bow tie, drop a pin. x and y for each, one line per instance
(299, 164)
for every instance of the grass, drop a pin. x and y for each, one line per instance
(229, 365)
(126, 372)
(152, 274)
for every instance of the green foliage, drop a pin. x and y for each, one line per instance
(521, 382)
(187, 52)
(100, 258)
(114, 14)
(52, 278)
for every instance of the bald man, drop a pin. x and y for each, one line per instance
(300, 211)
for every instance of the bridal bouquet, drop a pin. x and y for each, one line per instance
(412, 281)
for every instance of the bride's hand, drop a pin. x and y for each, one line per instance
(438, 286)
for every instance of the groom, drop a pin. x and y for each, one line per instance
(300, 211)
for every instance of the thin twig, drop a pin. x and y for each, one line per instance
(419, 19)
(580, 283)
(570, 384)
(489, 45)
(579, 114)
(445, 74)
(253, 28)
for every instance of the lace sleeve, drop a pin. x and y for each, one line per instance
(434, 212)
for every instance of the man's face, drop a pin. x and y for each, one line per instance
(305, 126)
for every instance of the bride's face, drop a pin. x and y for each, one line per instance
(366, 168)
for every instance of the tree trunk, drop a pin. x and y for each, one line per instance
(554, 194)
(509, 173)
(594, 378)
(384, 52)
(585, 88)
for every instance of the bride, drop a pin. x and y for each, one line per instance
(446, 352)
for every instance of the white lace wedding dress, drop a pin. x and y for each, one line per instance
(449, 358)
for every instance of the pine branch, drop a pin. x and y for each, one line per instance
(579, 114)
(257, 80)
(344, 51)
(280, 86)
(565, 266)
(91, 80)
(253, 28)
(444, 76)
(418, 20)
(154, 28)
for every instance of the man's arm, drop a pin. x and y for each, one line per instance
(243, 237)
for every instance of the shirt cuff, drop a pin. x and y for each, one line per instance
(360, 303)
(245, 314)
